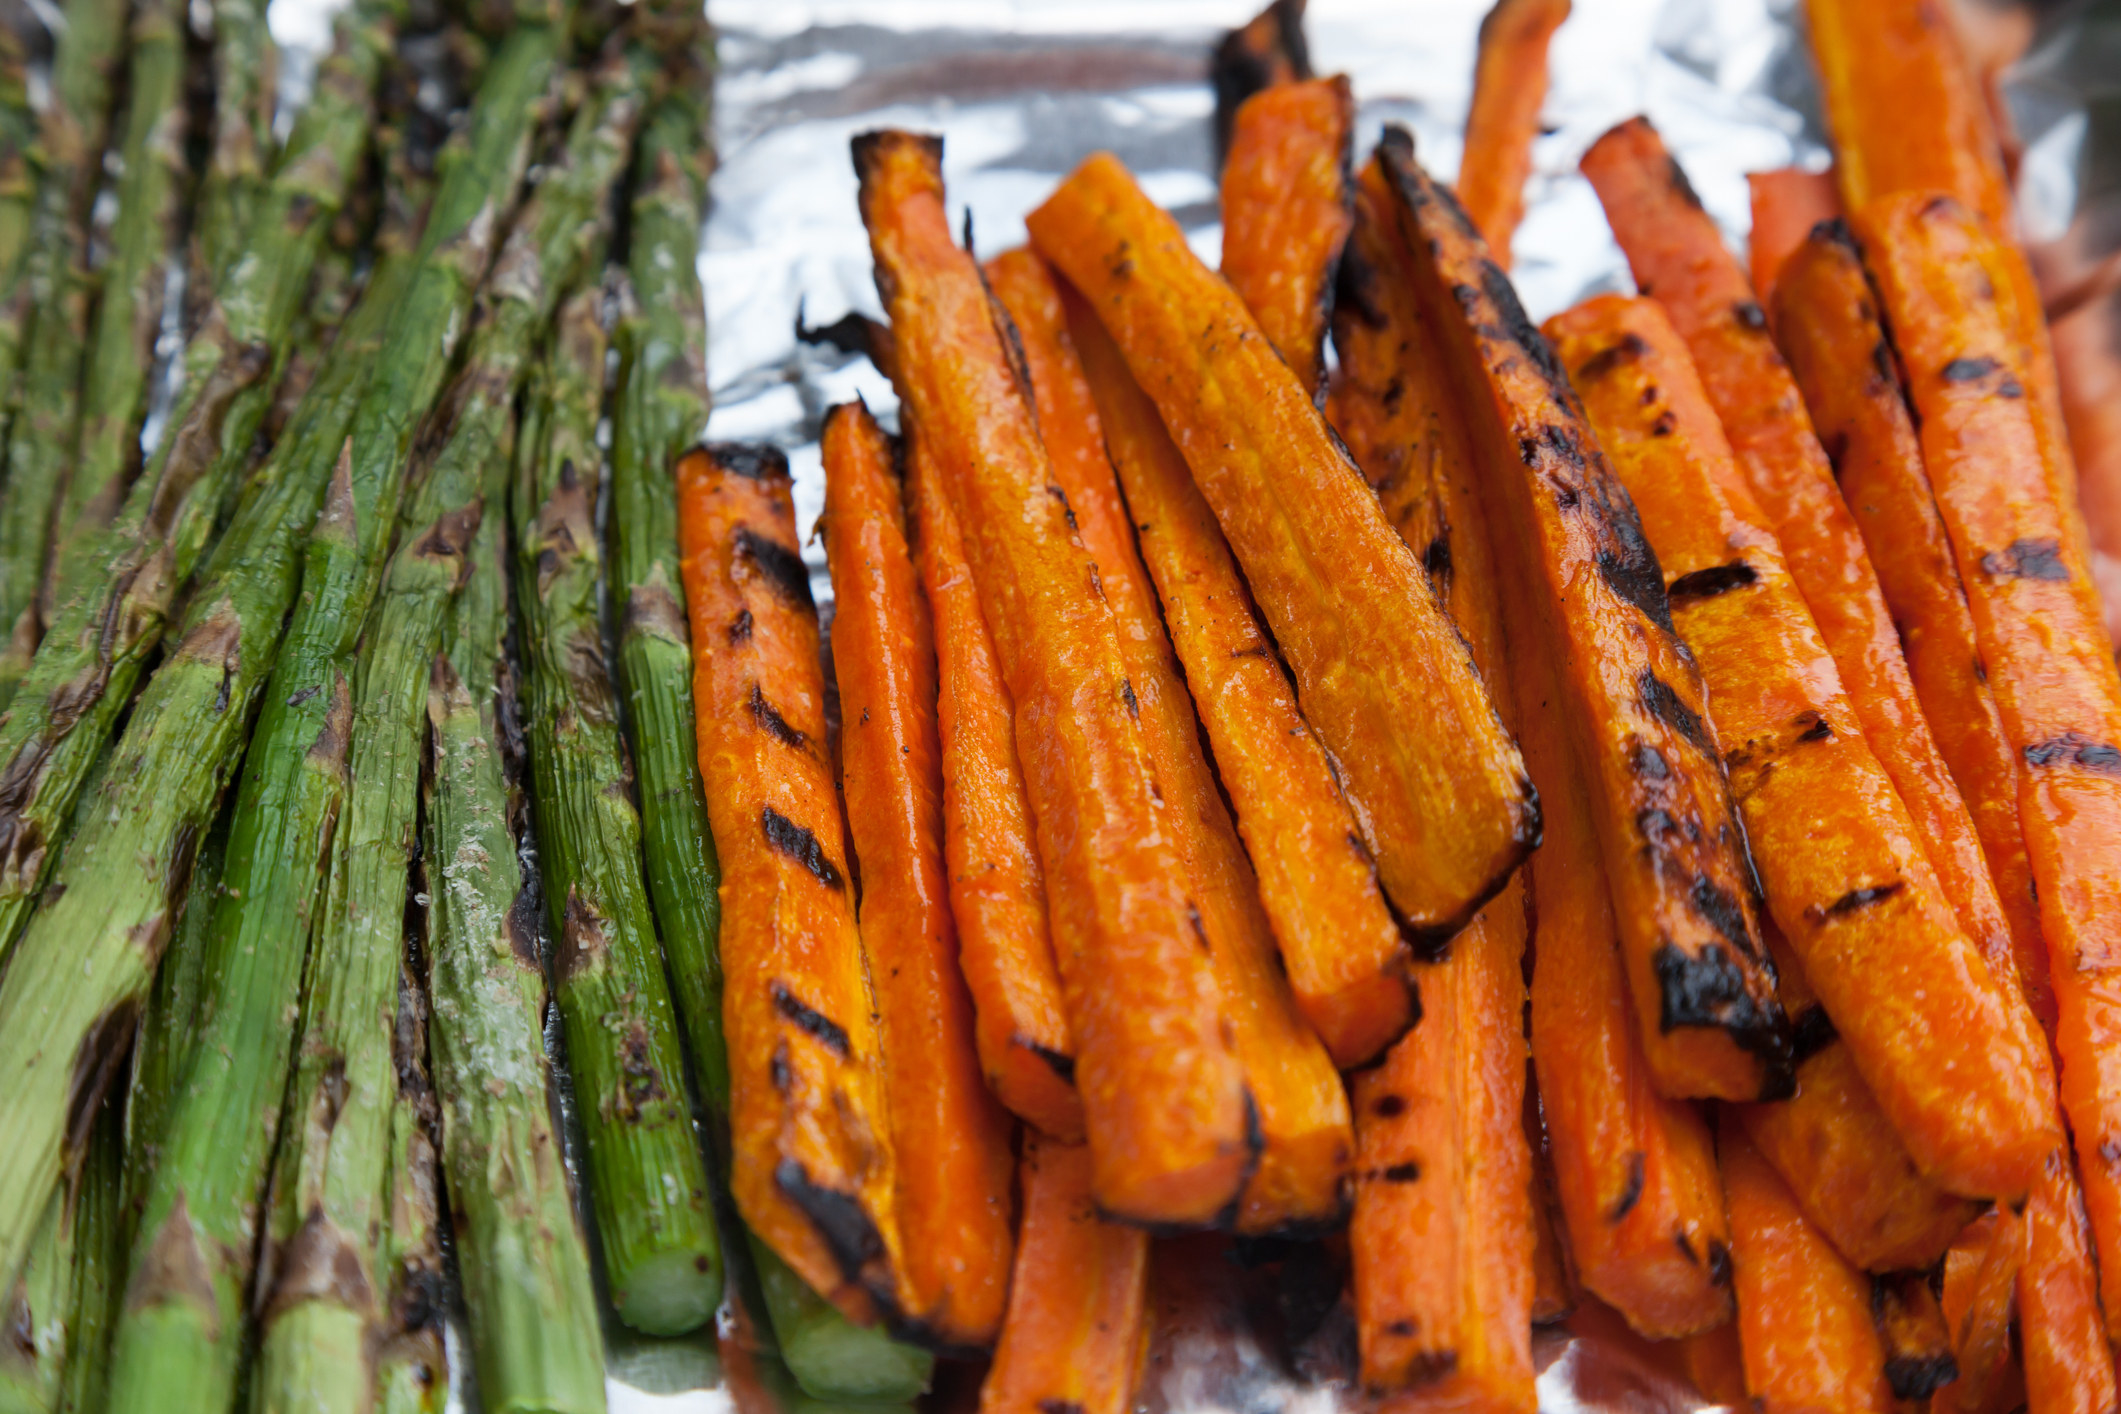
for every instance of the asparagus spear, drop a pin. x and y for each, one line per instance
(244, 66)
(525, 1267)
(661, 408)
(183, 1337)
(18, 203)
(69, 156)
(622, 1036)
(830, 1357)
(121, 348)
(99, 1224)
(104, 633)
(412, 1366)
(35, 1311)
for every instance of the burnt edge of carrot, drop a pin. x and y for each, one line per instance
(1708, 990)
(1919, 1359)
(1269, 48)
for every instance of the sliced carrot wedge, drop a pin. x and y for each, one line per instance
(1448, 812)
(1979, 1301)
(1918, 1345)
(2069, 1366)
(1266, 50)
(1509, 87)
(1172, 1131)
(1787, 203)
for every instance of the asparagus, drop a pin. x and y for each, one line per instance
(104, 634)
(412, 1365)
(35, 1313)
(130, 285)
(183, 1337)
(830, 1357)
(525, 1267)
(69, 155)
(660, 1251)
(244, 64)
(18, 202)
(98, 1216)
(662, 406)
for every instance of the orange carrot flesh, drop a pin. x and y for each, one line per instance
(1447, 813)
(1164, 1100)
(2061, 1336)
(1593, 600)
(1948, 1048)
(1787, 203)
(997, 891)
(1302, 1109)
(1509, 87)
(1804, 1314)
(1553, 1272)
(1715, 1364)
(2036, 616)
(1980, 1286)
(954, 1204)
(1346, 961)
(814, 1173)
(1918, 1345)
(1285, 213)
(1076, 1328)
(1679, 260)
(1826, 320)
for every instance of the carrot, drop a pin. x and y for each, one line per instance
(997, 890)
(2069, 1367)
(1285, 213)
(1918, 1346)
(1266, 50)
(1448, 812)
(1509, 86)
(1804, 1314)
(1553, 1273)
(1826, 320)
(1302, 1110)
(1171, 1127)
(953, 1205)
(1347, 964)
(1787, 203)
(1679, 260)
(1714, 1363)
(1980, 1285)
(1838, 1153)
(1076, 1330)
(1593, 600)
(2043, 646)
(814, 1168)
(1948, 1048)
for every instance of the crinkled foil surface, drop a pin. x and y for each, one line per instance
(1021, 90)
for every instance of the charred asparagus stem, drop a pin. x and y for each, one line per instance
(661, 408)
(68, 158)
(18, 204)
(83, 965)
(527, 1285)
(106, 628)
(412, 1367)
(130, 285)
(653, 1213)
(245, 66)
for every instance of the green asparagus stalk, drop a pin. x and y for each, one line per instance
(69, 154)
(245, 66)
(18, 203)
(660, 1251)
(661, 409)
(184, 1337)
(412, 1366)
(525, 1266)
(830, 1356)
(130, 286)
(99, 1254)
(35, 1312)
(104, 633)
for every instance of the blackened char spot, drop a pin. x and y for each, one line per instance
(1816, 727)
(751, 460)
(1968, 370)
(1401, 1173)
(850, 333)
(1062, 1064)
(1708, 989)
(1388, 1106)
(1629, 567)
(2026, 559)
(848, 1231)
(1649, 762)
(1059, 1406)
(1722, 912)
(1676, 176)
(1920, 1376)
(1856, 900)
(1749, 315)
(813, 1022)
(1509, 310)
(1631, 347)
(740, 627)
(1719, 1263)
(773, 723)
(1630, 1190)
(1126, 692)
(800, 845)
(1661, 702)
(1436, 560)
(2077, 747)
(781, 567)
(1715, 580)
(1813, 1032)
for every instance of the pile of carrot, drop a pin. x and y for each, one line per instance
(1615, 821)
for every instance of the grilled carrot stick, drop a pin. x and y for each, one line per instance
(2069, 1367)
(997, 890)
(1303, 1123)
(1838, 1153)
(1075, 1334)
(1948, 1048)
(1594, 600)
(1804, 1314)
(1509, 85)
(1826, 321)
(1787, 203)
(1918, 1346)
(1715, 1363)
(1266, 50)
(1447, 813)
(1285, 214)
(1980, 1292)
(1679, 260)
(1553, 1272)
(1347, 964)
(2043, 645)
(814, 1169)
(954, 1204)
(1172, 1130)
